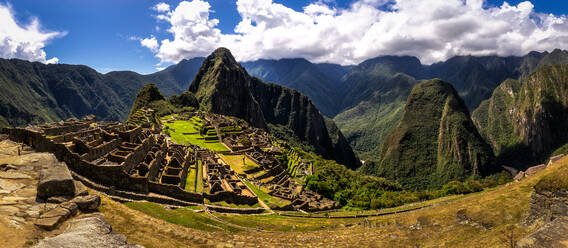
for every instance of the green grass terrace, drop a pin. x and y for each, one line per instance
(184, 132)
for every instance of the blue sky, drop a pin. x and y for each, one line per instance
(106, 34)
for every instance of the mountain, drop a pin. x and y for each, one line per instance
(176, 78)
(223, 86)
(435, 141)
(33, 92)
(366, 125)
(319, 82)
(148, 94)
(525, 121)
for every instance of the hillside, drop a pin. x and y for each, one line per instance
(223, 86)
(319, 82)
(526, 121)
(366, 125)
(448, 222)
(435, 141)
(34, 92)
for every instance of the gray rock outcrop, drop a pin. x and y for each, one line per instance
(55, 180)
(553, 234)
(87, 203)
(87, 232)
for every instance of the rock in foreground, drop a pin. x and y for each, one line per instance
(87, 232)
(55, 180)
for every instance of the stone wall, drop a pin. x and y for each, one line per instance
(57, 130)
(231, 197)
(175, 192)
(546, 206)
(98, 151)
(138, 155)
(155, 165)
(102, 174)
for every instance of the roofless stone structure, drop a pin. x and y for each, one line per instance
(141, 163)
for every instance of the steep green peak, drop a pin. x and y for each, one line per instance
(433, 92)
(149, 93)
(435, 142)
(145, 96)
(222, 57)
(225, 54)
(219, 66)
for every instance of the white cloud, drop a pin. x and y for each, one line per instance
(151, 43)
(53, 60)
(161, 7)
(432, 30)
(23, 41)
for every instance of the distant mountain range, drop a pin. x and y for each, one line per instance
(33, 92)
(366, 101)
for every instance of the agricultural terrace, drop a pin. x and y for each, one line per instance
(182, 132)
(236, 163)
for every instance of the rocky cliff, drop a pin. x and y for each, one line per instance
(435, 141)
(223, 86)
(525, 121)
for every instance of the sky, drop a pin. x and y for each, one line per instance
(146, 36)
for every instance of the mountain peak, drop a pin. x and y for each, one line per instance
(435, 141)
(224, 55)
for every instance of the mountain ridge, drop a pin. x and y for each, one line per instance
(435, 141)
(224, 87)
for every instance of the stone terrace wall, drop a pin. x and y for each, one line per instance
(231, 197)
(98, 151)
(130, 135)
(103, 174)
(138, 155)
(154, 166)
(66, 129)
(175, 192)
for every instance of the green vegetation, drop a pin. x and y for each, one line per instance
(367, 124)
(355, 190)
(269, 200)
(188, 131)
(554, 181)
(181, 216)
(561, 150)
(532, 109)
(236, 163)
(190, 182)
(277, 223)
(199, 187)
(434, 143)
(150, 97)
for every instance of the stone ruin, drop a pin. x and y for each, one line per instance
(127, 158)
(537, 168)
(262, 150)
(140, 159)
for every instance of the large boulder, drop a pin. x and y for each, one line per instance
(87, 232)
(53, 218)
(80, 189)
(553, 234)
(55, 180)
(88, 202)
